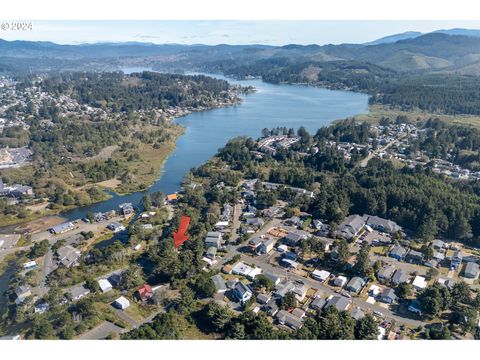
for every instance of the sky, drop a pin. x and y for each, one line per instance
(225, 32)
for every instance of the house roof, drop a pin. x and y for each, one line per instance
(355, 283)
(472, 269)
(400, 276)
(351, 226)
(386, 272)
(341, 303)
(145, 291)
(388, 293)
(387, 225)
(219, 282)
(398, 251)
(241, 288)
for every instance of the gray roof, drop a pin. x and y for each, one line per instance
(242, 288)
(78, 291)
(355, 284)
(272, 276)
(351, 226)
(318, 303)
(219, 282)
(357, 314)
(471, 270)
(288, 319)
(414, 253)
(386, 272)
(400, 276)
(398, 251)
(263, 298)
(388, 293)
(341, 303)
(386, 225)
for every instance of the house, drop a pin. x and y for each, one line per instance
(255, 222)
(431, 263)
(400, 276)
(62, 228)
(79, 292)
(30, 265)
(414, 257)
(105, 285)
(241, 268)
(15, 190)
(116, 278)
(355, 284)
(271, 308)
(419, 282)
(41, 308)
(115, 227)
(289, 263)
(317, 224)
(254, 243)
(318, 303)
(231, 283)
(294, 221)
(471, 270)
(456, 260)
(22, 292)
(382, 225)
(68, 256)
(340, 281)
(211, 252)
(266, 246)
(145, 292)
(385, 273)
(439, 245)
(290, 320)
(172, 198)
(298, 313)
(220, 285)
(274, 277)
(438, 256)
(300, 291)
(350, 227)
(284, 289)
(264, 298)
(295, 236)
(341, 303)
(398, 252)
(416, 307)
(320, 275)
(126, 209)
(213, 238)
(121, 303)
(374, 290)
(448, 283)
(357, 314)
(388, 296)
(242, 292)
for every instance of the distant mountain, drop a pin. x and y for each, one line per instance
(395, 37)
(454, 50)
(459, 31)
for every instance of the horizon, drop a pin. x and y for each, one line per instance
(219, 32)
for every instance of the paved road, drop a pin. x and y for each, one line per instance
(101, 331)
(47, 268)
(237, 213)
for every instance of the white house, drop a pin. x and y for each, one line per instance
(320, 275)
(122, 303)
(419, 283)
(105, 285)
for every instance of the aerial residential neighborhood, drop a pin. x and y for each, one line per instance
(206, 185)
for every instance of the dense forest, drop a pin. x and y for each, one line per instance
(436, 93)
(140, 91)
(424, 202)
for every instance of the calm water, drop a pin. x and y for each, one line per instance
(271, 106)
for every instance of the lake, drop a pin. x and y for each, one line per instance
(270, 106)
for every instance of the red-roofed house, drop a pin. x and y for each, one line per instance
(145, 292)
